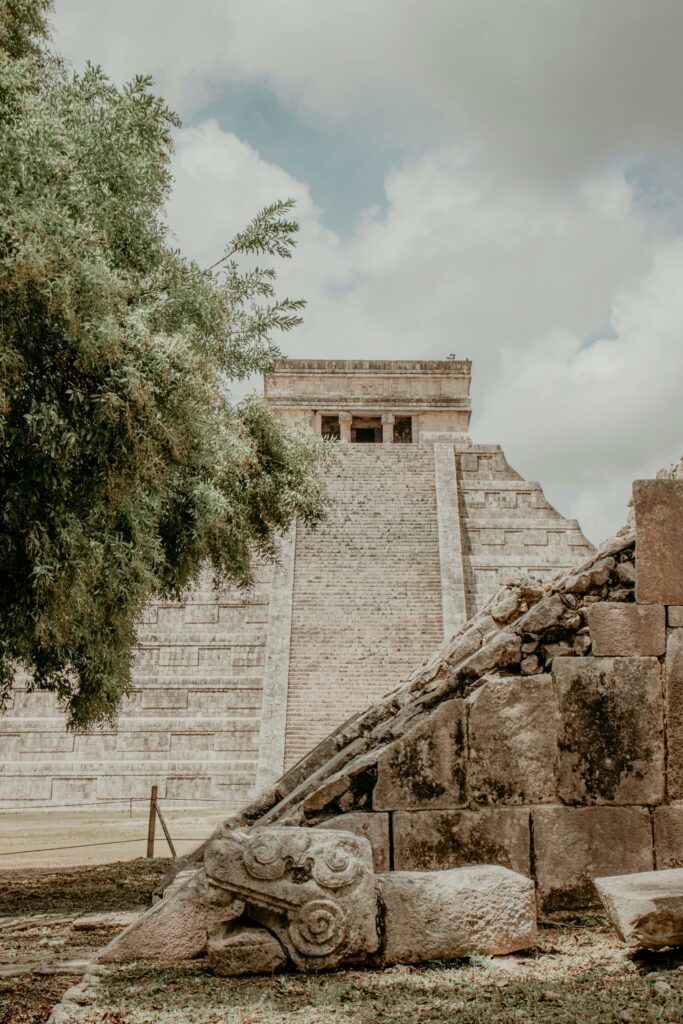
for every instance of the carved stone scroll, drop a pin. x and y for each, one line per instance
(315, 891)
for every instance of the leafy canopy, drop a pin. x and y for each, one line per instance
(123, 466)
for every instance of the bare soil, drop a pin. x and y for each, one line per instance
(38, 941)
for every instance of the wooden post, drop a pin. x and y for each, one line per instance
(152, 821)
(166, 832)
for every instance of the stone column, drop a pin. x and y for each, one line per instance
(345, 419)
(317, 423)
(388, 420)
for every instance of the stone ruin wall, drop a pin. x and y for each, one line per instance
(230, 689)
(546, 736)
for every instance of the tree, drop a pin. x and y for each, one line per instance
(123, 465)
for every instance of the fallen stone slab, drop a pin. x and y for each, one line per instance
(645, 909)
(439, 914)
(175, 928)
(65, 967)
(235, 949)
(106, 919)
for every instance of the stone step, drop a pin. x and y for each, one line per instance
(132, 768)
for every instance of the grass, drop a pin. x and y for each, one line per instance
(579, 975)
(125, 885)
(61, 895)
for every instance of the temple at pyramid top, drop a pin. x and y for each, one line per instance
(372, 401)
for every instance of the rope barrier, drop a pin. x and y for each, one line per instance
(83, 846)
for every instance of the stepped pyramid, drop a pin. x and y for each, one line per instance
(232, 689)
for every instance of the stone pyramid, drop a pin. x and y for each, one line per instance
(230, 689)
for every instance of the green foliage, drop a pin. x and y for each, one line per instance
(123, 466)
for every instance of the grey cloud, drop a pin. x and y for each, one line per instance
(547, 90)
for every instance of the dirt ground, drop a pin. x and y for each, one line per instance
(580, 974)
(60, 839)
(42, 953)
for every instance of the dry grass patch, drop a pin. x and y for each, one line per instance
(580, 974)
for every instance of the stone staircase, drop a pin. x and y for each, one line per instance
(367, 589)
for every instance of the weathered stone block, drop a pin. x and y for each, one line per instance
(575, 845)
(658, 508)
(544, 613)
(627, 630)
(669, 836)
(512, 738)
(646, 910)
(484, 909)
(313, 889)
(611, 730)
(174, 929)
(434, 840)
(374, 827)
(235, 949)
(595, 575)
(501, 650)
(675, 615)
(425, 768)
(674, 713)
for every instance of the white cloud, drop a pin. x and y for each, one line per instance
(547, 90)
(514, 279)
(511, 241)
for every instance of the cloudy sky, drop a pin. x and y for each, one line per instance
(501, 179)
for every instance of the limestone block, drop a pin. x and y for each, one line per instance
(18, 787)
(610, 731)
(674, 713)
(484, 909)
(426, 767)
(74, 791)
(544, 613)
(646, 910)
(669, 836)
(235, 949)
(658, 510)
(374, 827)
(501, 650)
(175, 928)
(627, 630)
(313, 889)
(511, 739)
(575, 845)
(105, 919)
(595, 575)
(675, 615)
(504, 604)
(431, 840)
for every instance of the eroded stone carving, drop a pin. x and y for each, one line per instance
(313, 890)
(270, 896)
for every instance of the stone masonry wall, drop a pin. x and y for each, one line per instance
(509, 526)
(369, 588)
(191, 725)
(546, 736)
